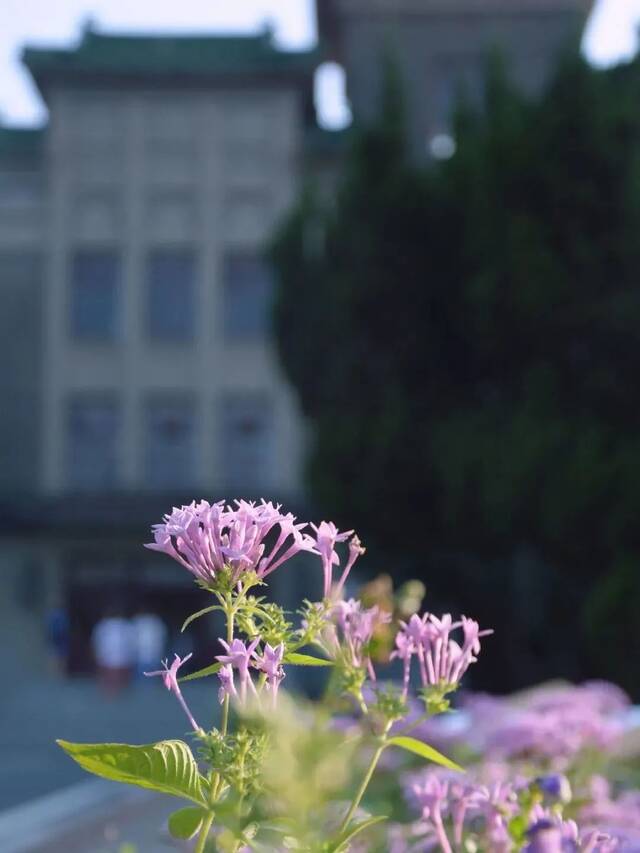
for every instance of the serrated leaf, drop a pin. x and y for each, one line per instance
(168, 766)
(296, 659)
(199, 613)
(202, 673)
(422, 749)
(186, 822)
(353, 830)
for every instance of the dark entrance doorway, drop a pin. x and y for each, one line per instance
(97, 585)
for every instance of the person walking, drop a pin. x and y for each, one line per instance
(113, 649)
(149, 640)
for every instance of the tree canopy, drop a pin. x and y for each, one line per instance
(465, 339)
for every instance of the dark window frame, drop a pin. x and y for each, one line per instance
(82, 313)
(183, 400)
(171, 328)
(238, 324)
(111, 466)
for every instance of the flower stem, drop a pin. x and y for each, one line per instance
(229, 610)
(203, 834)
(414, 725)
(225, 708)
(364, 784)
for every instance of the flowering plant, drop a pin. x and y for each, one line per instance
(548, 771)
(271, 774)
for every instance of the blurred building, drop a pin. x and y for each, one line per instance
(137, 303)
(440, 48)
(139, 369)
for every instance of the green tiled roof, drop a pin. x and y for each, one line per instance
(188, 55)
(23, 144)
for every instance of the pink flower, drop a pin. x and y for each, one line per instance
(357, 626)
(431, 796)
(356, 549)
(327, 535)
(170, 677)
(545, 837)
(442, 660)
(227, 687)
(271, 664)
(207, 538)
(239, 657)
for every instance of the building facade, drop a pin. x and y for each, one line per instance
(143, 373)
(158, 366)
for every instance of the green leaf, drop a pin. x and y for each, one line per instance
(186, 822)
(297, 659)
(168, 766)
(202, 673)
(200, 613)
(353, 830)
(422, 749)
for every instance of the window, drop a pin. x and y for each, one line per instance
(170, 443)
(171, 295)
(247, 440)
(93, 435)
(247, 297)
(94, 294)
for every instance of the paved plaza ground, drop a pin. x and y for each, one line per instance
(41, 787)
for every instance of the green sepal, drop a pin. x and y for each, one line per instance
(167, 766)
(296, 659)
(186, 822)
(422, 749)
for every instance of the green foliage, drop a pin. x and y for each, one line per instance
(435, 697)
(464, 339)
(265, 619)
(307, 767)
(389, 704)
(198, 614)
(167, 767)
(202, 673)
(237, 757)
(343, 840)
(314, 619)
(186, 822)
(422, 749)
(298, 659)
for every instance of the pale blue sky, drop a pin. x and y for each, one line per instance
(611, 33)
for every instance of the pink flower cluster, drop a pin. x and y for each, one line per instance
(207, 538)
(556, 722)
(241, 657)
(439, 796)
(535, 753)
(451, 810)
(441, 660)
(356, 626)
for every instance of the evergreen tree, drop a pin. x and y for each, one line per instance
(465, 340)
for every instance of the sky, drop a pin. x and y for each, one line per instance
(610, 36)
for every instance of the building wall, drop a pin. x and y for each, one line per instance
(21, 215)
(131, 171)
